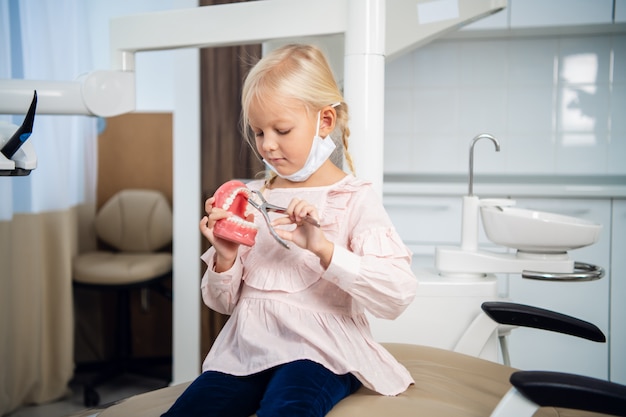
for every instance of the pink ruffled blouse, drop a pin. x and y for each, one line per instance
(284, 306)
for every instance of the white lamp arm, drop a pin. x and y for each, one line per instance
(100, 93)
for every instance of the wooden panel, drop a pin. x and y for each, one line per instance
(135, 151)
(225, 154)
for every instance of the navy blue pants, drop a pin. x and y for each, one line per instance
(301, 388)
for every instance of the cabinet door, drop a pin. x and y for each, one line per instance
(618, 293)
(620, 11)
(425, 220)
(551, 13)
(536, 349)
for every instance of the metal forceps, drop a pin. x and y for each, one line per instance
(264, 208)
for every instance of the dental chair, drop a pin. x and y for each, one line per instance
(452, 384)
(134, 225)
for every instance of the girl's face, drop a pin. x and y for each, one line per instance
(283, 132)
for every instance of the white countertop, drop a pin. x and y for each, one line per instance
(487, 186)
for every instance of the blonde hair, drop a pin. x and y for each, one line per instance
(299, 72)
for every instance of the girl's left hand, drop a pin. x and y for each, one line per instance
(305, 235)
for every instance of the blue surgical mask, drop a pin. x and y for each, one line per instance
(321, 149)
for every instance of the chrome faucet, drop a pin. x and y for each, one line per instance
(471, 157)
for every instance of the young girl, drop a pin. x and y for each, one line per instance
(297, 340)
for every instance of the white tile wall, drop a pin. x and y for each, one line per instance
(557, 104)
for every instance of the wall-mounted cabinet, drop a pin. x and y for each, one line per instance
(537, 14)
(544, 13)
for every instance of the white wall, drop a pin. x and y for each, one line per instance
(556, 103)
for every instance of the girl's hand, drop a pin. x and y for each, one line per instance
(225, 250)
(305, 235)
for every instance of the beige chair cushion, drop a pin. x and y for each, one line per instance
(135, 221)
(447, 384)
(106, 268)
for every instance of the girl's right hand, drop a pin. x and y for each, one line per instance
(225, 250)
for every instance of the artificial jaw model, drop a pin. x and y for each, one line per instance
(232, 196)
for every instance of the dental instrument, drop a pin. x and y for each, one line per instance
(264, 207)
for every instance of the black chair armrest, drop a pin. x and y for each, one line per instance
(539, 318)
(556, 389)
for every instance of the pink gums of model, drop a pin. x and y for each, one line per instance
(232, 196)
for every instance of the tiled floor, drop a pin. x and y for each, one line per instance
(115, 390)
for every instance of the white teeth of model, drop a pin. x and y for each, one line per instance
(241, 222)
(229, 200)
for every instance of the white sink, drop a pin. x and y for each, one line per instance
(537, 231)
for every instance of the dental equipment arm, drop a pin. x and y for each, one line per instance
(111, 93)
(100, 93)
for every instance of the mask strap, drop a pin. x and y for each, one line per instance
(319, 113)
(317, 128)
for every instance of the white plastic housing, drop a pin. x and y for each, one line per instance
(25, 157)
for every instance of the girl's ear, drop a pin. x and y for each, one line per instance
(328, 118)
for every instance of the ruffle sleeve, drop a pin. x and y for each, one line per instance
(374, 266)
(220, 291)
(337, 202)
(380, 241)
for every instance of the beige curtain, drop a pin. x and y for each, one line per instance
(225, 155)
(39, 214)
(36, 318)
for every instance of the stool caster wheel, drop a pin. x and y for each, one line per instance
(91, 397)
